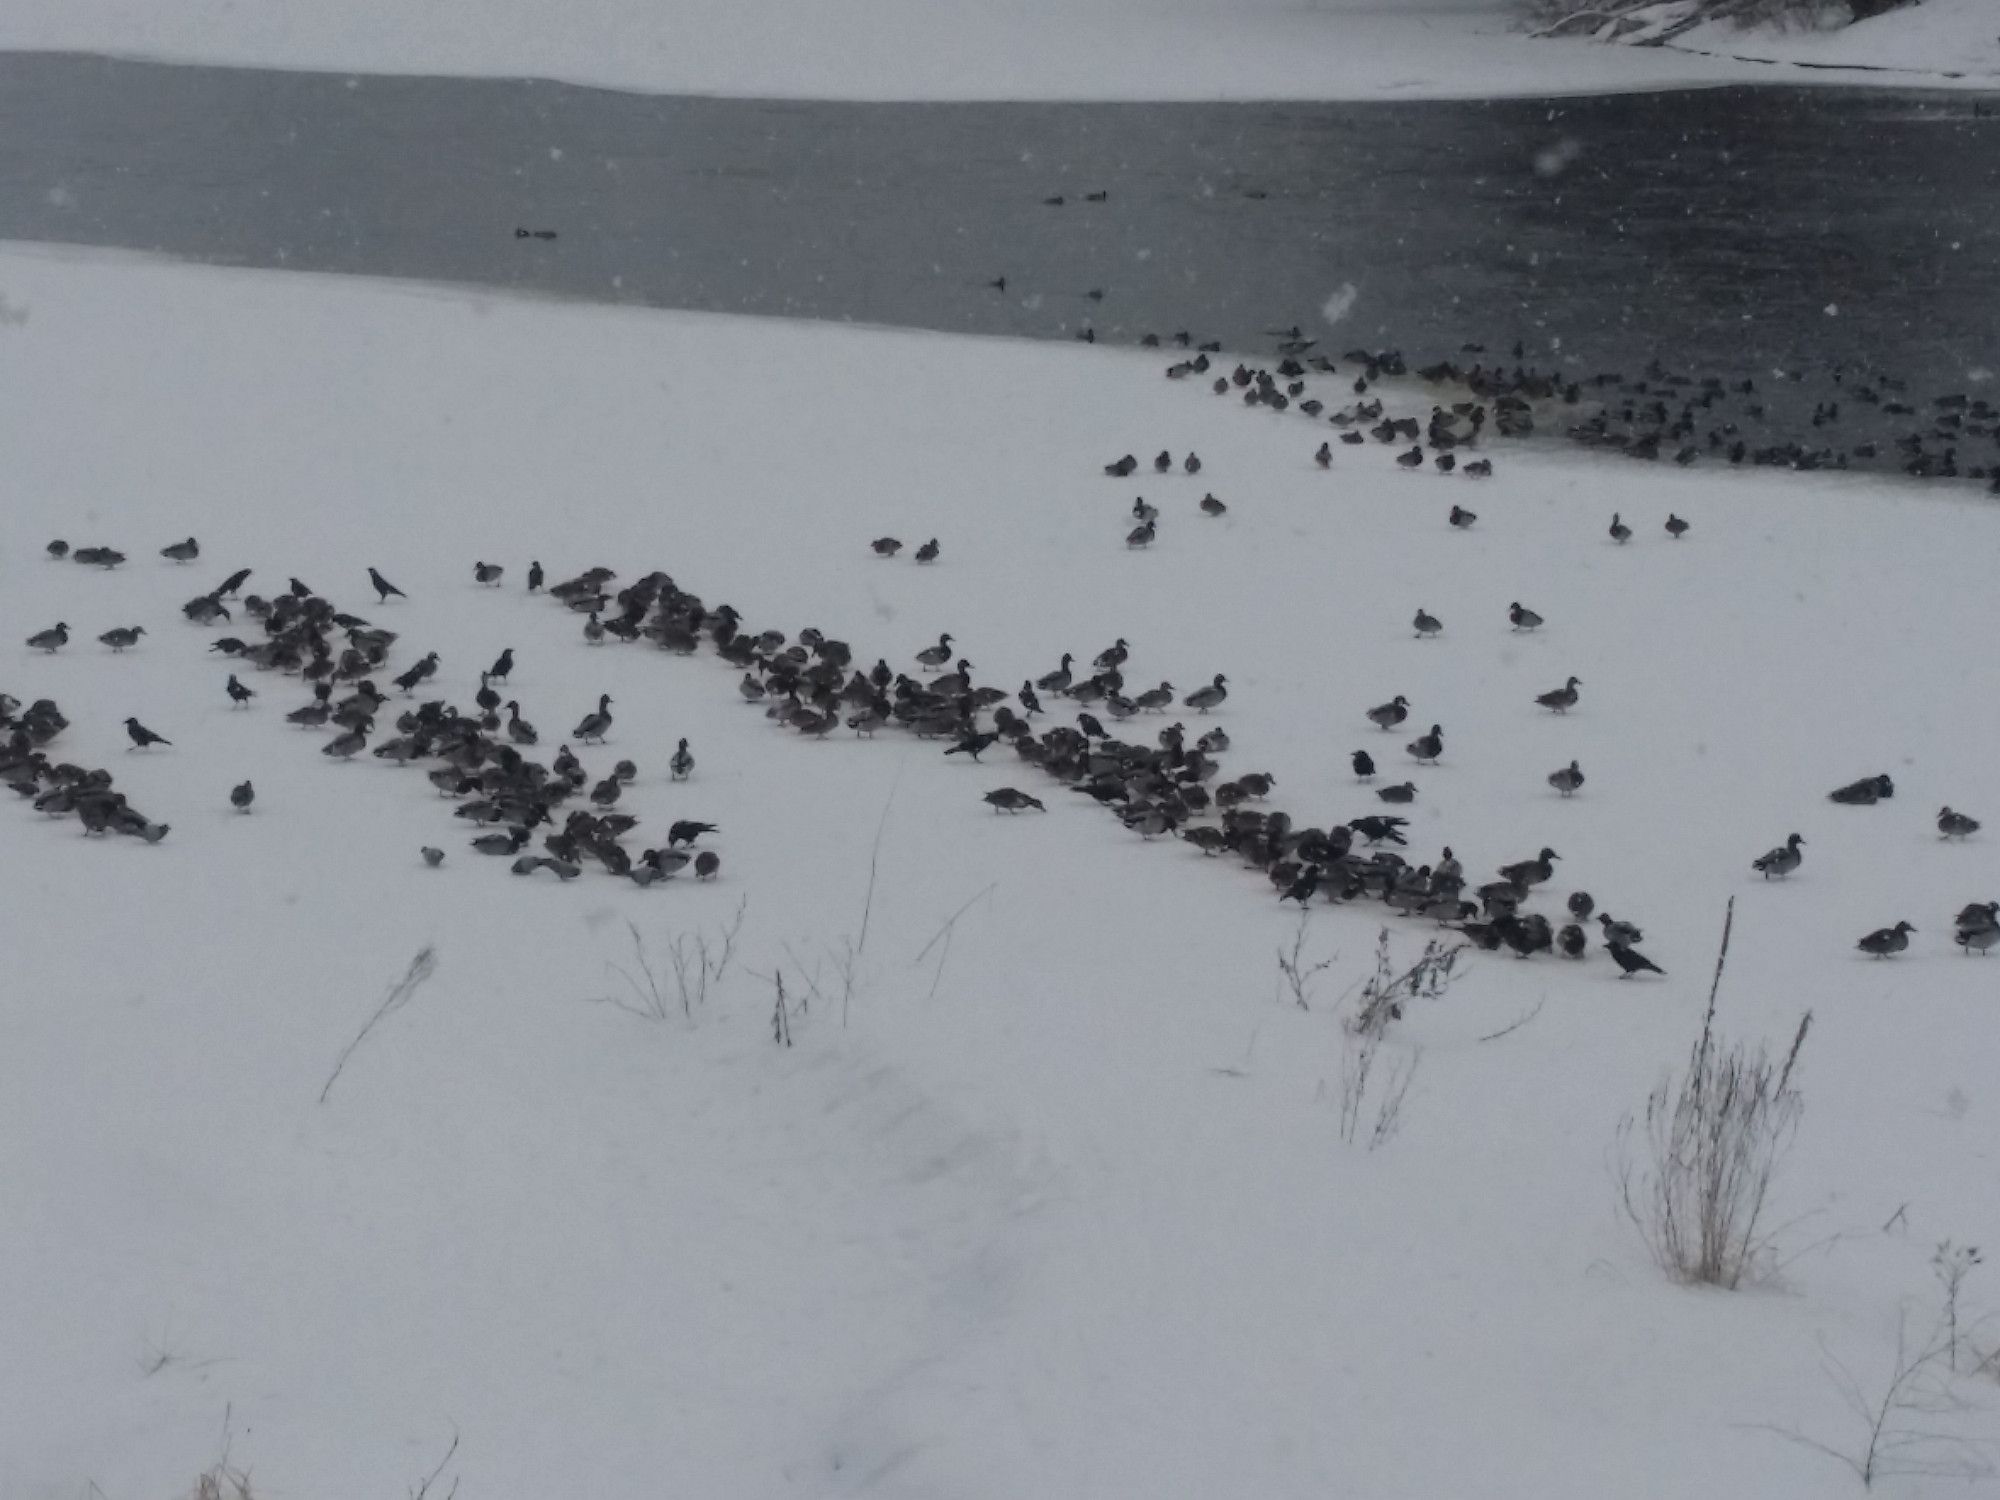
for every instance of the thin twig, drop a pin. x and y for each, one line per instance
(874, 859)
(421, 968)
(431, 1478)
(1494, 1036)
(945, 930)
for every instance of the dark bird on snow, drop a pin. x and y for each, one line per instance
(938, 655)
(142, 736)
(1569, 942)
(1782, 860)
(972, 743)
(536, 577)
(1581, 905)
(122, 636)
(1523, 618)
(1405, 793)
(1388, 715)
(886, 546)
(682, 765)
(507, 843)
(432, 857)
(1007, 799)
(1863, 793)
(503, 666)
(1324, 457)
(487, 573)
(233, 582)
(687, 831)
(241, 796)
(1632, 961)
(1192, 463)
(51, 640)
(350, 744)
(1202, 699)
(239, 695)
(1620, 532)
(1364, 765)
(1462, 518)
(928, 553)
(182, 552)
(383, 588)
(1426, 624)
(1567, 779)
(1122, 467)
(595, 725)
(58, 549)
(1414, 459)
(1427, 747)
(1379, 828)
(1956, 825)
(1162, 461)
(1676, 527)
(1210, 506)
(1141, 535)
(1624, 934)
(1885, 941)
(1479, 468)
(707, 864)
(1534, 871)
(1560, 700)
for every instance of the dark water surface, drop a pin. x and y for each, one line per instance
(1725, 230)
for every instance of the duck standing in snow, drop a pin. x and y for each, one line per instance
(1202, 699)
(1461, 518)
(1560, 700)
(182, 552)
(886, 546)
(682, 765)
(928, 553)
(1567, 779)
(1977, 929)
(1427, 747)
(1425, 624)
(1782, 860)
(120, 637)
(1620, 532)
(1141, 535)
(595, 725)
(51, 640)
(1522, 617)
(1676, 527)
(488, 574)
(241, 796)
(1387, 716)
(1956, 825)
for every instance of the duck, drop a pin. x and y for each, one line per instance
(1414, 459)
(1425, 624)
(488, 574)
(682, 764)
(594, 726)
(707, 865)
(242, 795)
(119, 637)
(1192, 463)
(928, 553)
(1427, 747)
(1387, 716)
(1364, 765)
(1570, 941)
(1632, 961)
(1143, 511)
(1479, 468)
(1676, 527)
(1567, 779)
(1534, 871)
(58, 550)
(1620, 532)
(593, 630)
(1461, 518)
(1624, 934)
(508, 843)
(350, 743)
(1202, 699)
(1884, 942)
(1162, 461)
(182, 552)
(1863, 793)
(1141, 535)
(1324, 457)
(1581, 904)
(1956, 825)
(886, 546)
(1980, 940)
(1782, 860)
(1121, 468)
(1523, 618)
(936, 656)
(1057, 681)
(384, 590)
(51, 640)
(1560, 700)
(1210, 506)
(536, 577)
(1406, 793)
(432, 856)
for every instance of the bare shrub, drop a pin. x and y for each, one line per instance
(680, 979)
(1372, 1094)
(1712, 1139)
(1299, 974)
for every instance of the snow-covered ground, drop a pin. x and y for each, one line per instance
(906, 49)
(1951, 41)
(1055, 1205)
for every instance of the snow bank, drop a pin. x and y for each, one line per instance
(1056, 1205)
(884, 49)
(1936, 37)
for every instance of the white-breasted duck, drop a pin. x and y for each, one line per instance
(1883, 942)
(933, 657)
(1560, 700)
(1781, 861)
(1427, 747)
(1623, 934)
(1142, 511)
(682, 765)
